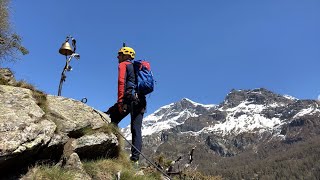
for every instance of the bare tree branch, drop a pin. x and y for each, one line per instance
(10, 43)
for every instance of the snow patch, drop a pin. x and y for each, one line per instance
(302, 112)
(290, 97)
(245, 117)
(167, 117)
(207, 106)
(274, 105)
(168, 123)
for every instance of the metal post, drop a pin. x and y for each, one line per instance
(67, 51)
(63, 77)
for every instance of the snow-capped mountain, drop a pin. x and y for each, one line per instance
(255, 111)
(242, 111)
(247, 121)
(170, 116)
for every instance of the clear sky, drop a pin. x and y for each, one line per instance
(197, 49)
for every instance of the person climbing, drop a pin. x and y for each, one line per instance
(129, 101)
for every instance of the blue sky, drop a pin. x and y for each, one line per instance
(197, 49)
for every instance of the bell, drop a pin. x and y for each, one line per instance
(65, 49)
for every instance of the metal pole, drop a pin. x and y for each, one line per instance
(63, 74)
(63, 77)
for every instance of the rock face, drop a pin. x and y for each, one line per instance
(7, 76)
(30, 133)
(171, 116)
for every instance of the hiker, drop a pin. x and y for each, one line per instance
(129, 101)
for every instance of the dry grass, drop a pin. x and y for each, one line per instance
(48, 172)
(41, 99)
(108, 168)
(24, 84)
(199, 176)
(111, 128)
(107, 129)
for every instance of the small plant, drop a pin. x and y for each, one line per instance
(107, 129)
(24, 84)
(41, 99)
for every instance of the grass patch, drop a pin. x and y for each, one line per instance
(105, 169)
(49, 172)
(109, 128)
(24, 84)
(191, 174)
(41, 100)
(112, 128)
(106, 129)
(108, 168)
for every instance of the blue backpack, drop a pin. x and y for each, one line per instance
(144, 77)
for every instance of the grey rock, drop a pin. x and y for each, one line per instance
(72, 115)
(98, 145)
(73, 163)
(7, 75)
(256, 96)
(22, 122)
(29, 133)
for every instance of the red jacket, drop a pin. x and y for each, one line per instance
(126, 80)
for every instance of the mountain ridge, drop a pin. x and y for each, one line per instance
(256, 122)
(236, 103)
(169, 116)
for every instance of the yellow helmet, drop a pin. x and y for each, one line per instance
(128, 50)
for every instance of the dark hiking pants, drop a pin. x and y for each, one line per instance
(136, 109)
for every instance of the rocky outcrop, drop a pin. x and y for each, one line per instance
(74, 163)
(30, 133)
(7, 76)
(258, 96)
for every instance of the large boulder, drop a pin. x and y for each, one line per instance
(72, 115)
(22, 123)
(29, 133)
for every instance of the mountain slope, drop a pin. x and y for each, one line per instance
(170, 116)
(249, 123)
